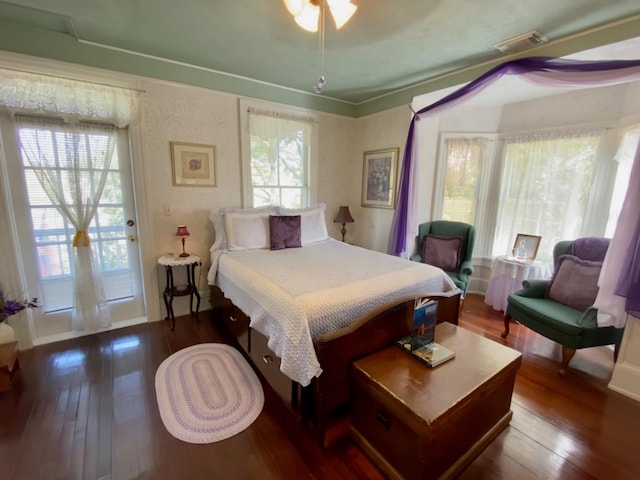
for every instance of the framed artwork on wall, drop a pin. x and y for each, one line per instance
(526, 247)
(193, 164)
(379, 174)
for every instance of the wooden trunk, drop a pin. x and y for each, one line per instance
(418, 422)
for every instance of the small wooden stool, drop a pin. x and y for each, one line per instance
(9, 364)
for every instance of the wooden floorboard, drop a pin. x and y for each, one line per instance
(86, 409)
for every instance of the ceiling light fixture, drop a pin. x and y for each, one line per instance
(307, 12)
(310, 15)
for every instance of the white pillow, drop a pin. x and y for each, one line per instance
(312, 222)
(220, 243)
(247, 229)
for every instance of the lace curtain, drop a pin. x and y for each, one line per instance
(270, 124)
(537, 171)
(72, 162)
(71, 100)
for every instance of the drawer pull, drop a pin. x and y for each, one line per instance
(383, 418)
(267, 359)
(232, 318)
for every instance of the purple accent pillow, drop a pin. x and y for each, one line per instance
(575, 282)
(284, 231)
(442, 252)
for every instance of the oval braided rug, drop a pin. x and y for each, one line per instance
(207, 393)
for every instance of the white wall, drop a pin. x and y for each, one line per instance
(378, 131)
(580, 107)
(173, 112)
(193, 115)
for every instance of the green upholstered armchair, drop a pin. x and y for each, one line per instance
(570, 327)
(444, 228)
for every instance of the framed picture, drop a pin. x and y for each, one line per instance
(193, 164)
(379, 178)
(526, 247)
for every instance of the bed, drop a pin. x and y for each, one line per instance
(302, 306)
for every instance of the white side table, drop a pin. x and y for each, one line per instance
(171, 290)
(506, 277)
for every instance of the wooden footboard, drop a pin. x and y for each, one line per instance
(318, 402)
(336, 351)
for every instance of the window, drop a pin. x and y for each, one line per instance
(545, 188)
(47, 148)
(559, 185)
(280, 148)
(464, 160)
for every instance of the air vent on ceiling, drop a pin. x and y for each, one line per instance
(522, 42)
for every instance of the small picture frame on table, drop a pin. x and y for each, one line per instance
(379, 175)
(525, 248)
(193, 164)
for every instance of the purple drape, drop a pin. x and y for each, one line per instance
(629, 284)
(539, 70)
(619, 287)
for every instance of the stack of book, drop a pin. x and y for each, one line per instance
(421, 343)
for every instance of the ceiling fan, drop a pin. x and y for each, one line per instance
(307, 12)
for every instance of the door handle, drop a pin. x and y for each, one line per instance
(132, 238)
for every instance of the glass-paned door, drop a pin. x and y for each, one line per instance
(46, 235)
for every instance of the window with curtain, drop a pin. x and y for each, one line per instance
(280, 147)
(559, 185)
(624, 161)
(75, 200)
(464, 162)
(546, 184)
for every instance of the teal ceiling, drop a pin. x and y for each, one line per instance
(388, 53)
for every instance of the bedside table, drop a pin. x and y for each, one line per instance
(171, 290)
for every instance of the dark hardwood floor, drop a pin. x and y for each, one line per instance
(86, 408)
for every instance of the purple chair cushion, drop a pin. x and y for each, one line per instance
(575, 282)
(442, 252)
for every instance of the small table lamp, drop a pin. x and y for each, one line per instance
(343, 217)
(182, 233)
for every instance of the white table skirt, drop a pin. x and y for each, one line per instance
(507, 276)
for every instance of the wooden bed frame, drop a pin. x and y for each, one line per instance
(319, 402)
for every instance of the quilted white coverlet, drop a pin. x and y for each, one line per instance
(294, 295)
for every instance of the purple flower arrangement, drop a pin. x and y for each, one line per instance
(11, 307)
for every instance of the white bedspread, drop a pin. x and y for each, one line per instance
(294, 295)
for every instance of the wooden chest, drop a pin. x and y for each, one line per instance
(418, 422)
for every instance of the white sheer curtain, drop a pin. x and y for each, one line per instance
(71, 100)
(465, 161)
(281, 144)
(72, 163)
(538, 171)
(272, 124)
(71, 159)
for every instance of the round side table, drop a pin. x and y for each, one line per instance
(506, 277)
(171, 290)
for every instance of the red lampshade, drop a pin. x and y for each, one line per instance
(182, 231)
(344, 216)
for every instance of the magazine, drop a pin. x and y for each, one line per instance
(432, 354)
(424, 322)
